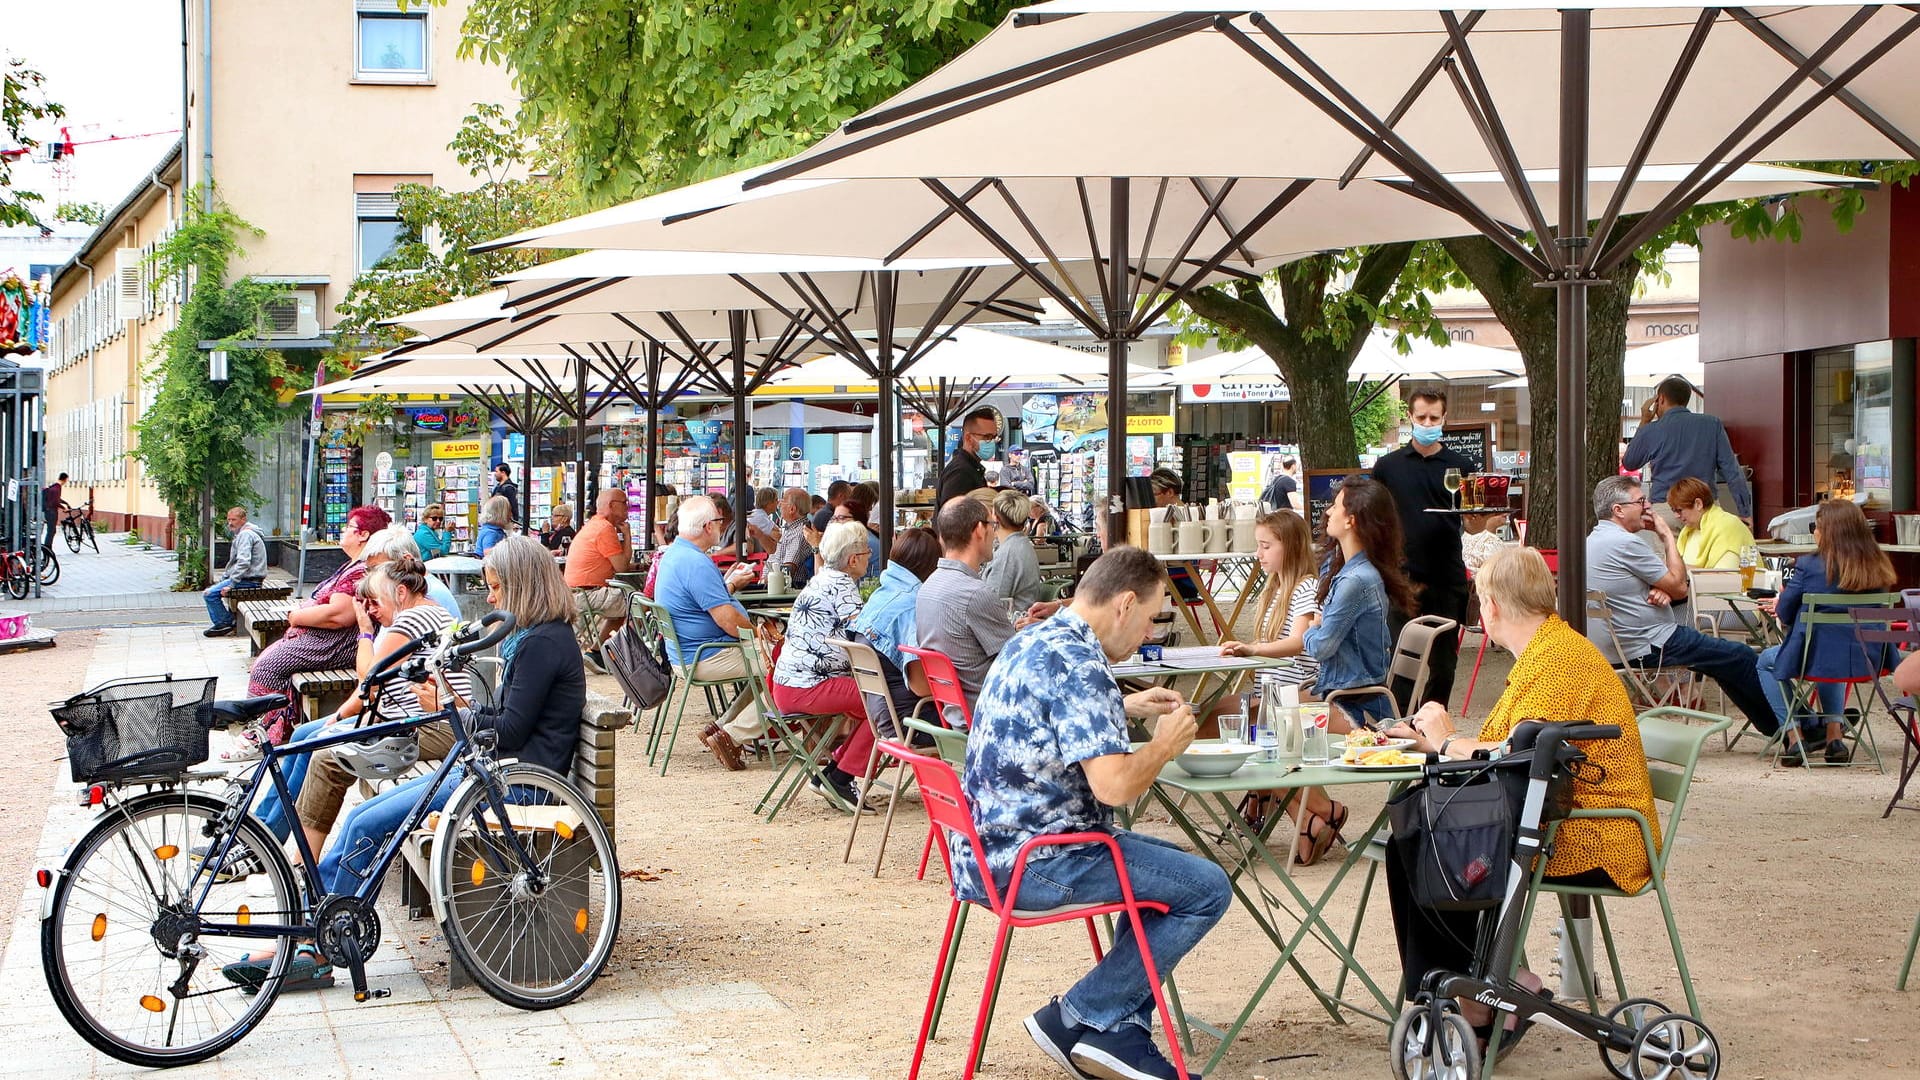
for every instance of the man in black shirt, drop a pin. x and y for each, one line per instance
(836, 494)
(1279, 494)
(963, 472)
(1413, 474)
(503, 485)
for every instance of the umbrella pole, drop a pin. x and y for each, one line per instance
(1119, 200)
(652, 405)
(884, 295)
(531, 438)
(1570, 441)
(580, 415)
(742, 424)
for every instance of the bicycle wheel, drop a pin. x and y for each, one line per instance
(86, 528)
(121, 944)
(19, 577)
(534, 934)
(72, 532)
(49, 565)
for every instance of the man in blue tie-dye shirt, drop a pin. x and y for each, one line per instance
(1049, 754)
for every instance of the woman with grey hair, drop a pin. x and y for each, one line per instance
(1014, 573)
(495, 515)
(812, 675)
(393, 542)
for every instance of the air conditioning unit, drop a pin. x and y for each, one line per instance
(294, 315)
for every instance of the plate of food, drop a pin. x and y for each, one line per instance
(1215, 757)
(1372, 758)
(1363, 740)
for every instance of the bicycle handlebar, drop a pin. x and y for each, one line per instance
(502, 623)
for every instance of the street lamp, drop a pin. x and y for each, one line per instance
(217, 366)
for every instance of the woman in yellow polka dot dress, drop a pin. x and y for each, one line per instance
(1558, 676)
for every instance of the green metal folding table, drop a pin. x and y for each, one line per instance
(1212, 821)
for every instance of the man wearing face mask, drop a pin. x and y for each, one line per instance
(963, 472)
(1413, 475)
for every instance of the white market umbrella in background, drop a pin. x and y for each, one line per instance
(779, 415)
(1648, 364)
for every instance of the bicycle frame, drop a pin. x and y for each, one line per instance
(203, 878)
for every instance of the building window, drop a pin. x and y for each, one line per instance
(391, 44)
(380, 232)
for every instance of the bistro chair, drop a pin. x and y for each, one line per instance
(1552, 557)
(871, 676)
(1672, 747)
(806, 737)
(659, 741)
(1411, 664)
(1856, 612)
(1654, 687)
(947, 808)
(943, 685)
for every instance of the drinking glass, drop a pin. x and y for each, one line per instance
(1451, 481)
(1233, 727)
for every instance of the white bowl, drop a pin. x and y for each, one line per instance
(1215, 757)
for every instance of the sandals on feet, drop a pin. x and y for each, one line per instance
(1255, 808)
(1319, 840)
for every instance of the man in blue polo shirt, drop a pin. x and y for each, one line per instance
(1049, 753)
(700, 602)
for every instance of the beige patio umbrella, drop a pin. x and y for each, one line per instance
(1414, 88)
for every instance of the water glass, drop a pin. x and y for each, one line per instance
(1313, 725)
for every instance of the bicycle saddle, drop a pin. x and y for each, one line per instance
(241, 710)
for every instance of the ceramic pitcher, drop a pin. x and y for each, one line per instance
(1160, 538)
(1193, 537)
(1243, 540)
(1219, 535)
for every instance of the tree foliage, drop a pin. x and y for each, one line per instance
(81, 213)
(22, 103)
(651, 96)
(193, 438)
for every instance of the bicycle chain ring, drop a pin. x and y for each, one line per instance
(340, 919)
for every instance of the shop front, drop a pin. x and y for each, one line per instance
(1809, 350)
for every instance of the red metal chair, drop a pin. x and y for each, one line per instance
(943, 684)
(947, 807)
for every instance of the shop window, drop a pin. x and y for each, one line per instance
(390, 44)
(1853, 419)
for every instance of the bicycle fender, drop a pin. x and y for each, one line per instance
(52, 890)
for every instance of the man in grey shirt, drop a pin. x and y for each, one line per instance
(1641, 586)
(246, 568)
(957, 613)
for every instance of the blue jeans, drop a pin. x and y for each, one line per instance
(270, 810)
(217, 607)
(1832, 696)
(1728, 663)
(367, 827)
(1195, 891)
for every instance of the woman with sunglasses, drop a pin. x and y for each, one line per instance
(432, 534)
(320, 637)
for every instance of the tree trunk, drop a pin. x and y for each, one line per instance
(1528, 313)
(1312, 363)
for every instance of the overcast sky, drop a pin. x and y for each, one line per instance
(115, 65)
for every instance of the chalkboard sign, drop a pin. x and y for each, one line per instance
(1321, 486)
(1472, 441)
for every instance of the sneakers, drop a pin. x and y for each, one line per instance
(839, 793)
(595, 662)
(240, 863)
(217, 631)
(1056, 1036)
(1125, 1053)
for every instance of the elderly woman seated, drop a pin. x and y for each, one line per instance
(1558, 677)
(813, 675)
(496, 514)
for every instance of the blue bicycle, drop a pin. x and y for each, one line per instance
(175, 887)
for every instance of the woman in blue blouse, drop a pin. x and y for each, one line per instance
(1349, 637)
(1846, 559)
(495, 514)
(886, 621)
(431, 535)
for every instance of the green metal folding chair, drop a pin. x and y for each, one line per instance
(1672, 747)
(1843, 610)
(785, 731)
(659, 741)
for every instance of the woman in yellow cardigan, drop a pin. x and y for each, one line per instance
(1710, 538)
(1558, 675)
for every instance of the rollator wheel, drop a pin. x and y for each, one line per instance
(1674, 1046)
(1415, 1054)
(1631, 1013)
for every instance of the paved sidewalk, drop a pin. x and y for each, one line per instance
(422, 1029)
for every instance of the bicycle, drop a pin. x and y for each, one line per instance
(77, 525)
(18, 574)
(136, 931)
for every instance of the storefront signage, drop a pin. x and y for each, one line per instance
(1233, 392)
(458, 448)
(18, 324)
(440, 419)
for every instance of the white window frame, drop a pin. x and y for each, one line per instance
(365, 11)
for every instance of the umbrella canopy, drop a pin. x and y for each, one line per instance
(1380, 359)
(1248, 365)
(968, 353)
(1649, 364)
(796, 414)
(1377, 51)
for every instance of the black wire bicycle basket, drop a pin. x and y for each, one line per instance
(137, 728)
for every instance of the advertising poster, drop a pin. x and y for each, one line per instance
(1037, 415)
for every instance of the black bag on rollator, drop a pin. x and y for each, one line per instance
(1456, 841)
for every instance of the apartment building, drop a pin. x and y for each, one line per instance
(305, 115)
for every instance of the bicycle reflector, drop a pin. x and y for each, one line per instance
(96, 794)
(44, 878)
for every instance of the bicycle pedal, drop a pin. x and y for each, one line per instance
(368, 995)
